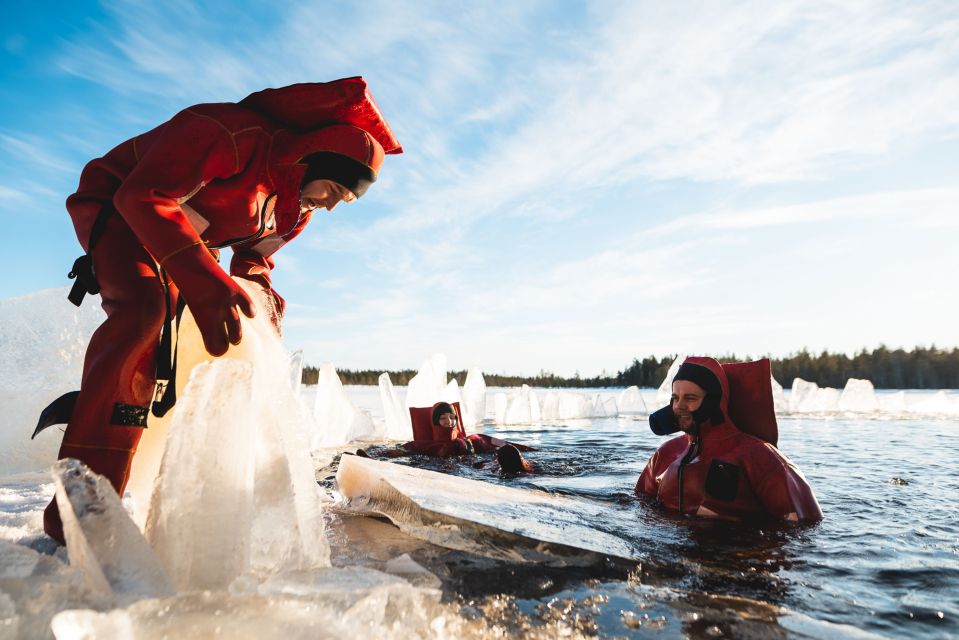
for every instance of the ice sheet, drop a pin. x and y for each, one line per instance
(42, 341)
(487, 519)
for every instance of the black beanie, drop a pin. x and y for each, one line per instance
(327, 165)
(708, 382)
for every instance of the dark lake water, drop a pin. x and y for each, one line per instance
(884, 561)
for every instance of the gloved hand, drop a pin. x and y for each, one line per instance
(212, 295)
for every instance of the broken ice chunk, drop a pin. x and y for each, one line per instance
(102, 540)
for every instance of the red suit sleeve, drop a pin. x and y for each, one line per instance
(647, 479)
(781, 486)
(189, 151)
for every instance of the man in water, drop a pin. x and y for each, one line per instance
(445, 437)
(153, 213)
(716, 468)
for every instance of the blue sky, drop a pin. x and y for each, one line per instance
(583, 183)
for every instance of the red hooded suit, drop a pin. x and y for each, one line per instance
(214, 175)
(434, 440)
(723, 471)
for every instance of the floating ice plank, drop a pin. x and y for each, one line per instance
(503, 523)
(102, 540)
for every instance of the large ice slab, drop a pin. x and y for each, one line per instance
(42, 341)
(236, 491)
(202, 507)
(503, 523)
(102, 540)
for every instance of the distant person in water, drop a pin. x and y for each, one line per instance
(726, 463)
(438, 431)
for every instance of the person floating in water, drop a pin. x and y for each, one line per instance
(152, 215)
(438, 431)
(726, 463)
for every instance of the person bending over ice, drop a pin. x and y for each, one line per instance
(438, 431)
(726, 463)
(151, 215)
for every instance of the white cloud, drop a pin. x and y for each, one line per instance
(935, 205)
(33, 149)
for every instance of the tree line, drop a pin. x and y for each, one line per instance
(919, 368)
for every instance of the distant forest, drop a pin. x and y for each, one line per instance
(920, 368)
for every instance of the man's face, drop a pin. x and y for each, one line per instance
(323, 194)
(687, 397)
(447, 421)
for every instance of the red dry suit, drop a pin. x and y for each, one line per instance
(214, 175)
(724, 471)
(436, 441)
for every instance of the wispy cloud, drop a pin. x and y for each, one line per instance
(926, 204)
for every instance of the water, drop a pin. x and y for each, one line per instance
(884, 560)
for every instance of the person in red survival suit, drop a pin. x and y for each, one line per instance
(438, 431)
(716, 468)
(151, 213)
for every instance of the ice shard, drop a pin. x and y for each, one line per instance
(809, 397)
(500, 407)
(573, 406)
(520, 410)
(296, 371)
(202, 508)
(429, 385)
(237, 461)
(398, 425)
(275, 396)
(780, 403)
(474, 398)
(631, 402)
(612, 409)
(490, 520)
(102, 540)
(666, 388)
(550, 408)
(337, 420)
(858, 396)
